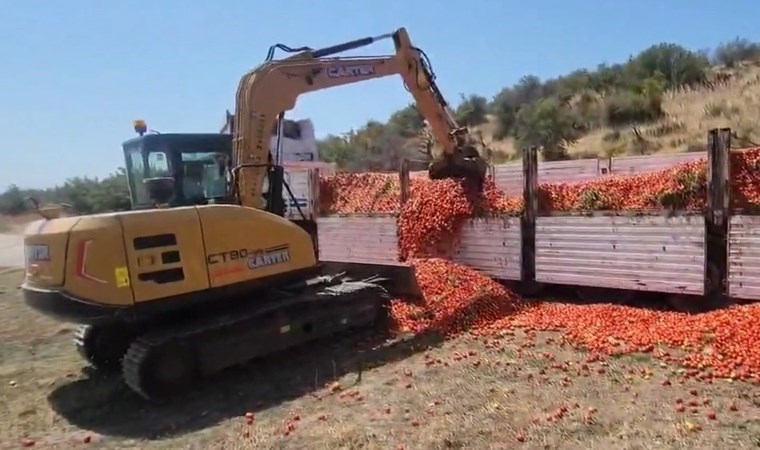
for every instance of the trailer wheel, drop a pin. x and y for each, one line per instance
(528, 289)
(590, 294)
(690, 304)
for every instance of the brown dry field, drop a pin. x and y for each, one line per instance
(515, 391)
(16, 224)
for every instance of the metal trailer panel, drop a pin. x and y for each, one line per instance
(639, 164)
(300, 184)
(489, 245)
(744, 257)
(358, 239)
(509, 177)
(492, 246)
(646, 253)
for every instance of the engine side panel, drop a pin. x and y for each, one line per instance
(165, 252)
(96, 265)
(246, 244)
(45, 247)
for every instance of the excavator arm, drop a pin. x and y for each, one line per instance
(272, 88)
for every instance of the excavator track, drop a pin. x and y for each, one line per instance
(102, 347)
(170, 360)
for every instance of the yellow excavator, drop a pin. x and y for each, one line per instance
(170, 294)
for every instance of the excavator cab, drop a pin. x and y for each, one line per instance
(177, 169)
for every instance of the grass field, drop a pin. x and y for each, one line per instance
(519, 390)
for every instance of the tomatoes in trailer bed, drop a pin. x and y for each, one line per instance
(680, 187)
(352, 193)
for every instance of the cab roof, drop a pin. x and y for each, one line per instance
(178, 138)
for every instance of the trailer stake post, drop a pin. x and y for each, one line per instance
(403, 178)
(716, 217)
(528, 219)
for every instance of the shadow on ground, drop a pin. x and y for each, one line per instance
(103, 404)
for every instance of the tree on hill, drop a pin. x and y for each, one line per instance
(738, 50)
(85, 195)
(556, 112)
(472, 110)
(549, 125)
(12, 201)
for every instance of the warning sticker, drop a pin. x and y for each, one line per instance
(122, 277)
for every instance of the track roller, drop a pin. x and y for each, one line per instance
(157, 370)
(103, 347)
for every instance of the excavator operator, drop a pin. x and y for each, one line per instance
(192, 182)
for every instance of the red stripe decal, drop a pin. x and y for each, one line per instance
(82, 250)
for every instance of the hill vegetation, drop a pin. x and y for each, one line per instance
(660, 100)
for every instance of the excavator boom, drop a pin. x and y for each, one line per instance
(272, 88)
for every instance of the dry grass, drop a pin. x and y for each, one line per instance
(690, 114)
(418, 394)
(16, 224)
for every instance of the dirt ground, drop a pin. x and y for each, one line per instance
(16, 224)
(515, 391)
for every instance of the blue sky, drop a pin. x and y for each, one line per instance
(76, 73)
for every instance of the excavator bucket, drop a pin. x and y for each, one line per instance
(467, 165)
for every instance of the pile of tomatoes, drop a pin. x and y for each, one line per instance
(357, 193)
(745, 179)
(456, 298)
(682, 187)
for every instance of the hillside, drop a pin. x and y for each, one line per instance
(663, 99)
(690, 113)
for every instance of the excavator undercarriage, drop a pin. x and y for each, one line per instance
(166, 358)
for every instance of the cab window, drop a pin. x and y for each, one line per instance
(204, 175)
(158, 165)
(142, 166)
